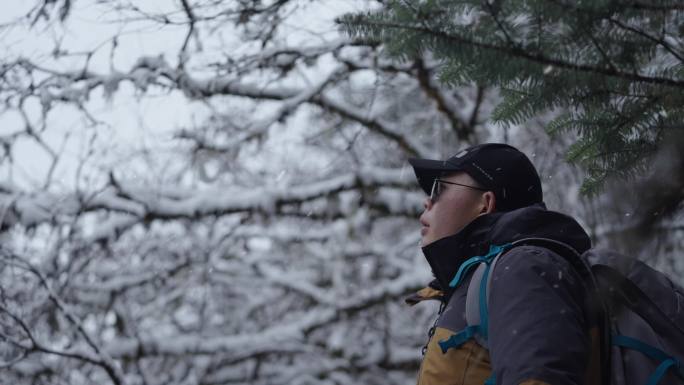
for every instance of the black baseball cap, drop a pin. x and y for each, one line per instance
(498, 167)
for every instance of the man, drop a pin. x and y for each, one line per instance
(539, 331)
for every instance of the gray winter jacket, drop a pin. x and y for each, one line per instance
(539, 330)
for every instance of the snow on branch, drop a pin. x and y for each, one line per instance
(101, 358)
(77, 85)
(268, 340)
(36, 208)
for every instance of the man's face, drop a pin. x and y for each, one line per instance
(455, 207)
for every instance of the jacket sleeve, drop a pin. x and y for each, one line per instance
(537, 328)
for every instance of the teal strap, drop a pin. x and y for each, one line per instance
(484, 313)
(459, 338)
(632, 343)
(494, 250)
(666, 363)
(655, 378)
(465, 266)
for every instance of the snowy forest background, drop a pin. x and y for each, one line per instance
(217, 192)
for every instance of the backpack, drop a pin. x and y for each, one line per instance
(640, 312)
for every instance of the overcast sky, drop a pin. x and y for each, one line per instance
(131, 123)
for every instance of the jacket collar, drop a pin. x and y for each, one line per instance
(432, 291)
(446, 255)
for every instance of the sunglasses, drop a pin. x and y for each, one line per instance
(437, 188)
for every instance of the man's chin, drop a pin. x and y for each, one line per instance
(429, 239)
(426, 240)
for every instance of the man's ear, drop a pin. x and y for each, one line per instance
(488, 202)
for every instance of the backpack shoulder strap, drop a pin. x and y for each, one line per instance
(597, 307)
(476, 304)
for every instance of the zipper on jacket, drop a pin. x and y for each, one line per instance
(431, 331)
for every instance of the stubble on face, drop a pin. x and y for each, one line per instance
(455, 208)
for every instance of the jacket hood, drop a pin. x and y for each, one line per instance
(446, 255)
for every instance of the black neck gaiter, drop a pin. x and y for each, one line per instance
(446, 255)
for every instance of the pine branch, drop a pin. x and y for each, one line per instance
(661, 42)
(538, 58)
(652, 7)
(643, 34)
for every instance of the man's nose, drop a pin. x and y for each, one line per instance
(427, 204)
